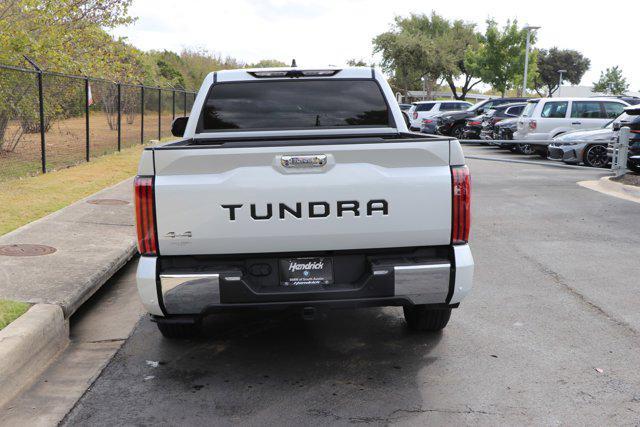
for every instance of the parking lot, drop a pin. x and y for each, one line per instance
(549, 334)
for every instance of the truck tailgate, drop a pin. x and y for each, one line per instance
(213, 200)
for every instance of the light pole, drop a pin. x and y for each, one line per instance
(526, 56)
(561, 72)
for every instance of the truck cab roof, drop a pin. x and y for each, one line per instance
(245, 74)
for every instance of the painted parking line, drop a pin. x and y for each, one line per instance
(531, 162)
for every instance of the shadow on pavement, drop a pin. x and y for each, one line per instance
(256, 368)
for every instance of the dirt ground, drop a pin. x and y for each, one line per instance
(66, 142)
(629, 179)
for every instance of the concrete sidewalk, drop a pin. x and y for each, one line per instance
(91, 241)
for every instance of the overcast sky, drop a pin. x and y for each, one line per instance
(322, 32)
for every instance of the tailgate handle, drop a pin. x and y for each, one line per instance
(304, 161)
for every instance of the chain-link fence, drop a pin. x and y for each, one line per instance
(51, 121)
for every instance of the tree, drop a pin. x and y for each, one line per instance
(554, 59)
(611, 82)
(268, 63)
(428, 47)
(401, 57)
(499, 60)
(357, 62)
(64, 35)
(458, 41)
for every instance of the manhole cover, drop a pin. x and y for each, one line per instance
(26, 250)
(111, 202)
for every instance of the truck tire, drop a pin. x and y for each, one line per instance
(421, 318)
(179, 330)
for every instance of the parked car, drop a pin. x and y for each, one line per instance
(630, 118)
(452, 124)
(497, 114)
(504, 130)
(429, 126)
(425, 109)
(551, 117)
(472, 127)
(586, 146)
(405, 107)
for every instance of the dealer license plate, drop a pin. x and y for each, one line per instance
(306, 271)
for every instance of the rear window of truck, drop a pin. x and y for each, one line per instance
(294, 104)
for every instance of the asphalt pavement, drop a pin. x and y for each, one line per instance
(549, 335)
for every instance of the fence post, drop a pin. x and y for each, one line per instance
(185, 102)
(142, 115)
(173, 104)
(119, 116)
(159, 113)
(43, 150)
(86, 118)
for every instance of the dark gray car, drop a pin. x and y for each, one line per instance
(586, 146)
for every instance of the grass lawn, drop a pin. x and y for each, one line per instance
(25, 200)
(10, 311)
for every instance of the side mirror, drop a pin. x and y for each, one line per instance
(480, 111)
(179, 125)
(616, 126)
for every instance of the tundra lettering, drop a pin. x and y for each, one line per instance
(315, 209)
(301, 189)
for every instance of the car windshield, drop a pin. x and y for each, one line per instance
(424, 106)
(528, 109)
(477, 105)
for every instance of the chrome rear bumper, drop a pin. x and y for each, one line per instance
(398, 282)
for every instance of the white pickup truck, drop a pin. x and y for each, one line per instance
(301, 189)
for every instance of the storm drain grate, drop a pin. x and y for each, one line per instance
(26, 250)
(109, 202)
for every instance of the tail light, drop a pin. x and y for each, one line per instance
(415, 116)
(145, 215)
(461, 204)
(426, 121)
(474, 123)
(533, 125)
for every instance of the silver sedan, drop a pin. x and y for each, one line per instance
(587, 146)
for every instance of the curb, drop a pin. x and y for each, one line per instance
(97, 280)
(28, 345)
(612, 188)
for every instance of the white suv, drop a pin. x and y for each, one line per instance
(422, 109)
(550, 117)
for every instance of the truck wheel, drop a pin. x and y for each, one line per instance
(595, 156)
(421, 318)
(179, 330)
